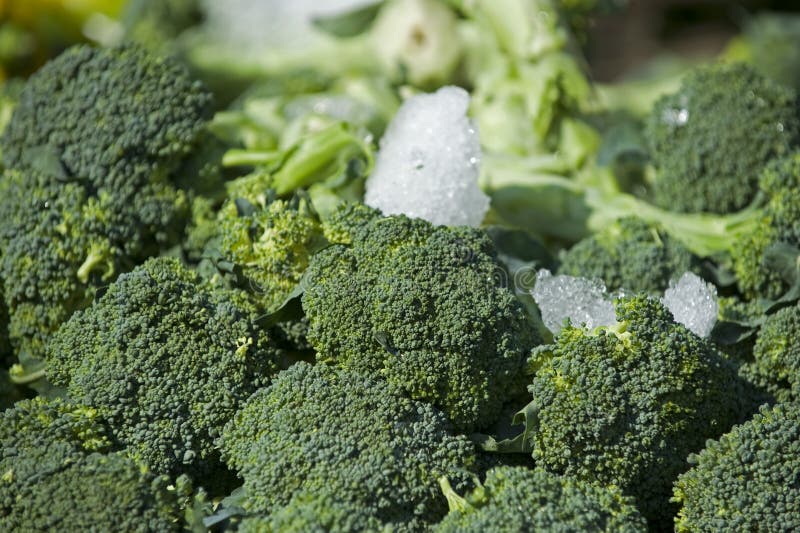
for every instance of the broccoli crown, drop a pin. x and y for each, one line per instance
(320, 428)
(167, 361)
(268, 241)
(320, 512)
(96, 493)
(516, 499)
(748, 480)
(710, 140)
(90, 149)
(346, 218)
(114, 118)
(629, 254)
(775, 364)
(624, 405)
(426, 307)
(40, 436)
(156, 23)
(54, 254)
(773, 40)
(779, 226)
(53, 479)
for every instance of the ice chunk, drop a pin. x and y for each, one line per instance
(693, 303)
(429, 162)
(582, 301)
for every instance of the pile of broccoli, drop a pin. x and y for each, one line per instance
(204, 327)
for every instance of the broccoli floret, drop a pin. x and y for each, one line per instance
(266, 241)
(40, 436)
(777, 233)
(119, 120)
(775, 364)
(624, 405)
(346, 219)
(96, 493)
(426, 308)
(520, 499)
(318, 512)
(167, 361)
(748, 479)
(319, 428)
(771, 42)
(156, 24)
(710, 140)
(91, 149)
(629, 254)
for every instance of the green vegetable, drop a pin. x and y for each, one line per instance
(746, 480)
(426, 308)
(629, 254)
(710, 140)
(167, 361)
(322, 432)
(612, 406)
(519, 499)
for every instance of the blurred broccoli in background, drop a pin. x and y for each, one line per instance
(710, 140)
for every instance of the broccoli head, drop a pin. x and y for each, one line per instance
(625, 404)
(96, 493)
(425, 307)
(320, 428)
(771, 42)
(267, 241)
(764, 255)
(710, 140)
(318, 512)
(166, 360)
(40, 436)
(88, 193)
(748, 480)
(520, 499)
(629, 254)
(118, 119)
(775, 362)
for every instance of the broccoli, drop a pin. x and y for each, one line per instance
(520, 499)
(770, 44)
(267, 242)
(90, 151)
(748, 479)
(156, 24)
(167, 361)
(96, 493)
(41, 436)
(629, 254)
(317, 512)
(54, 475)
(426, 308)
(759, 244)
(320, 428)
(625, 404)
(710, 140)
(775, 362)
